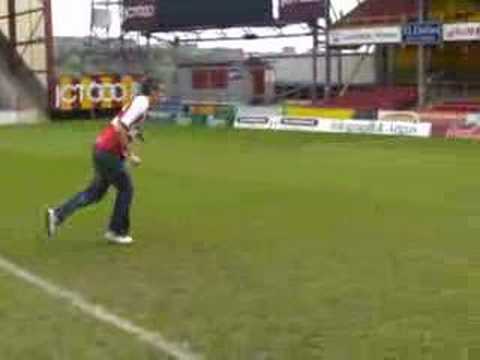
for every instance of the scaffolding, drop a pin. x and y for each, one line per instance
(102, 15)
(313, 28)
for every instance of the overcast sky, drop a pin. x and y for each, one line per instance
(72, 18)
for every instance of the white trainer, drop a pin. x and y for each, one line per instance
(51, 222)
(117, 239)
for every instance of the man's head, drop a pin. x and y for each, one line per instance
(154, 90)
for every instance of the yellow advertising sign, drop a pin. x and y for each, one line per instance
(102, 92)
(328, 113)
(203, 109)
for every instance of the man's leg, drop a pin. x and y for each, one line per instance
(120, 221)
(92, 194)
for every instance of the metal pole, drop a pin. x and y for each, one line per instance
(421, 60)
(339, 68)
(92, 15)
(50, 47)
(328, 53)
(176, 62)
(149, 45)
(390, 49)
(314, 89)
(12, 28)
(12, 45)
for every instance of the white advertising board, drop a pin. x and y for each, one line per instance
(362, 36)
(461, 32)
(307, 124)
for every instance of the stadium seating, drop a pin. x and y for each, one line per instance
(458, 106)
(374, 98)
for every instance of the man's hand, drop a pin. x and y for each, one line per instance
(135, 160)
(136, 134)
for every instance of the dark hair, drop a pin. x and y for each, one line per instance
(150, 86)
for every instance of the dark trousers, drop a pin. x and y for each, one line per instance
(109, 170)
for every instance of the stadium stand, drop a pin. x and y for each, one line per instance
(455, 10)
(451, 73)
(376, 12)
(458, 106)
(374, 98)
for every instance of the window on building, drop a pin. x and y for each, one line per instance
(203, 79)
(200, 79)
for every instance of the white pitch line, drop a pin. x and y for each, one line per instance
(97, 312)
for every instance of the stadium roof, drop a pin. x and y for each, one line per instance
(380, 12)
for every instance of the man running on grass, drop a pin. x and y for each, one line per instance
(111, 150)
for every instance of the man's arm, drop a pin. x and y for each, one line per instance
(135, 113)
(125, 140)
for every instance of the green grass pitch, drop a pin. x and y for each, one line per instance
(250, 245)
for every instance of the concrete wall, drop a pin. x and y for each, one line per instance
(19, 86)
(240, 89)
(298, 70)
(9, 93)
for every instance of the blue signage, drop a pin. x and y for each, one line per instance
(426, 33)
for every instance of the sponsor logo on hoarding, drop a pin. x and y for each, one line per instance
(380, 128)
(95, 92)
(422, 33)
(299, 122)
(377, 128)
(143, 11)
(369, 127)
(140, 9)
(403, 129)
(473, 119)
(467, 130)
(374, 35)
(254, 120)
(404, 116)
(461, 32)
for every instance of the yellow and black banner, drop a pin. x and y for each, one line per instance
(94, 92)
